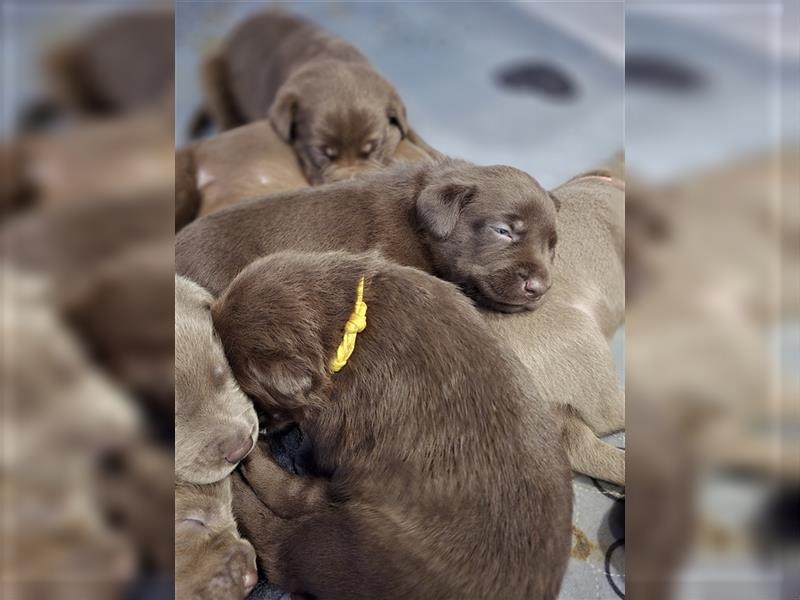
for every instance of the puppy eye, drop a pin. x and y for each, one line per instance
(503, 231)
(330, 152)
(194, 523)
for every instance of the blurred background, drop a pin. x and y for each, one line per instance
(703, 97)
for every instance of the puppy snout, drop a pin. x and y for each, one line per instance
(236, 447)
(535, 286)
(250, 578)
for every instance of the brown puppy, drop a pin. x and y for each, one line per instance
(212, 562)
(215, 423)
(434, 487)
(247, 162)
(320, 93)
(491, 230)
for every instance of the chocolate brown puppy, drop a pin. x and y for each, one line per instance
(433, 486)
(490, 230)
(244, 163)
(215, 423)
(212, 561)
(321, 94)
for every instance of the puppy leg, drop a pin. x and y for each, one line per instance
(285, 494)
(259, 525)
(592, 456)
(614, 417)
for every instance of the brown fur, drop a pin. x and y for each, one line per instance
(247, 162)
(212, 561)
(214, 421)
(588, 272)
(321, 94)
(427, 403)
(434, 216)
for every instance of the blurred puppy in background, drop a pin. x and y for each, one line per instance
(321, 95)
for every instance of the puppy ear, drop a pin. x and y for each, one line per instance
(555, 200)
(396, 111)
(288, 382)
(439, 206)
(282, 113)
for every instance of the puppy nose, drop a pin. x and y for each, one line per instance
(535, 286)
(249, 579)
(235, 448)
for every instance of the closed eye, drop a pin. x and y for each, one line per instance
(193, 522)
(502, 231)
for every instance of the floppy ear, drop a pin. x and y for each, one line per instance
(282, 113)
(287, 382)
(555, 200)
(396, 111)
(439, 206)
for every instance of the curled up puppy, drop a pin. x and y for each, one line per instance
(215, 423)
(321, 95)
(430, 485)
(212, 562)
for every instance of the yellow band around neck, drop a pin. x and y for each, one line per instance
(356, 323)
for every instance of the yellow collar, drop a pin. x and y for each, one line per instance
(355, 325)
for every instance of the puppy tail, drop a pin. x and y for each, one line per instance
(590, 455)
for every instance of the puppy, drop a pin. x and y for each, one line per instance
(565, 343)
(433, 486)
(450, 228)
(212, 561)
(247, 162)
(215, 423)
(491, 230)
(321, 95)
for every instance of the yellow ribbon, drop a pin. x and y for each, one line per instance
(356, 323)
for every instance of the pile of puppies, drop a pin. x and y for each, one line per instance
(401, 315)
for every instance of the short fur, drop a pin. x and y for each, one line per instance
(438, 216)
(587, 304)
(565, 344)
(432, 485)
(247, 162)
(214, 420)
(321, 94)
(212, 561)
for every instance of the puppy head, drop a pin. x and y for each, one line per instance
(491, 230)
(280, 322)
(211, 559)
(341, 119)
(215, 423)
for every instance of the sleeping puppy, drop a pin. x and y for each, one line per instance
(490, 230)
(432, 485)
(215, 423)
(444, 229)
(565, 343)
(244, 163)
(212, 562)
(321, 95)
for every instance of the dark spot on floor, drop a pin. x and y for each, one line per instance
(661, 72)
(537, 78)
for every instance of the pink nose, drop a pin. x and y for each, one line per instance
(535, 287)
(236, 448)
